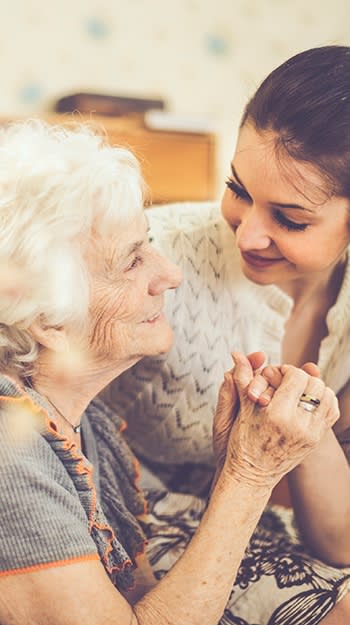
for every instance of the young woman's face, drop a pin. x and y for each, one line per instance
(285, 226)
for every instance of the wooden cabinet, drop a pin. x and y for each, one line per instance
(177, 166)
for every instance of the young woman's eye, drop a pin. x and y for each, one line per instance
(135, 263)
(293, 226)
(238, 191)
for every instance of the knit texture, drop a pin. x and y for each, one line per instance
(49, 512)
(169, 402)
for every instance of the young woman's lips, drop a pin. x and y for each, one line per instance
(259, 261)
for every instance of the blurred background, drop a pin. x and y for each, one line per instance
(201, 58)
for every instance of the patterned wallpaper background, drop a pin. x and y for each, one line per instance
(201, 56)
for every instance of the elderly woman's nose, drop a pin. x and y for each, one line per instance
(252, 232)
(167, 275)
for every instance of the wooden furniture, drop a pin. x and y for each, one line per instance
(177, 166)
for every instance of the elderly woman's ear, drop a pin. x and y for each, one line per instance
(52, 337)
(62, 356)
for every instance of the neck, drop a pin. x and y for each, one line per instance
(70, 392)
(308, 288)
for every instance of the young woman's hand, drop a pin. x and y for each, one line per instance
(267, 379)
(266, 442)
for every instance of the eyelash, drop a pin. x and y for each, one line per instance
(278, 216)
(138, 260)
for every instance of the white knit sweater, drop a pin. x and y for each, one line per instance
(169, 402)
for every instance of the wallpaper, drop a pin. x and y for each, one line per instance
(201, 56)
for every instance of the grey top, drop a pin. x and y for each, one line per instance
(50, 513)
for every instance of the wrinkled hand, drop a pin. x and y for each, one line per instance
(228, 406)
(266, 442)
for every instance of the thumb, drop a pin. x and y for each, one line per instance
(226, 402)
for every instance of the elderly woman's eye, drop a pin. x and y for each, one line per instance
(135, 262)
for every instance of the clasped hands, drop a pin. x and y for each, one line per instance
(261, 431)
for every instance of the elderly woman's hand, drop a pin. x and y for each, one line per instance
(266, 442)
(228, 406)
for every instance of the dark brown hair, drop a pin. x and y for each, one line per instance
(306, 103)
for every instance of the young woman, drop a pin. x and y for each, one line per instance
(274, 274)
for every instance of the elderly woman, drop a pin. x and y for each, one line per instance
(81, 303)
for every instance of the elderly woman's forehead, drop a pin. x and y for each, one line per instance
(118, 238)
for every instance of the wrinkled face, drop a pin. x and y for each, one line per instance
(128, 281)
(284, 230)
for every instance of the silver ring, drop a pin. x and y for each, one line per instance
(306, 405)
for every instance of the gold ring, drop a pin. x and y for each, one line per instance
(308, 399)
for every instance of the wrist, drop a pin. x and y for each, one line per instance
(246, 473)
(327, 448)
(235, 481)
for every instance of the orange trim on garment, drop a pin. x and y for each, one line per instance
(109, 547)
(49, 565)
(137, 471)
(82, 470)
(137, 476)
(123, 424)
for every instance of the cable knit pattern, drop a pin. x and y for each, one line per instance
(169, 402)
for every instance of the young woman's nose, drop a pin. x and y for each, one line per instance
(251, 231)
(167, 275)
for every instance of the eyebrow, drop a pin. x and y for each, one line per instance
(133, 247)
(274, 204)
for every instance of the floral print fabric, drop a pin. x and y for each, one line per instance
(278, 583)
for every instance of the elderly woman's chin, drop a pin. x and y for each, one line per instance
(160, 336)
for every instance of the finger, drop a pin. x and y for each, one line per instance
(266, 396)
(327, 412)
(315, 388)
(333, 412)
(257, 360)
(273, 375)
(226, 403)
(256, 387)
(312, 369)
(242, 372)
(292, 386)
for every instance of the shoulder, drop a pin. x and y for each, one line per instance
(334, 359)
(42, 519)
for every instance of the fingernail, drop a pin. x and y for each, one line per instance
(264, 399)
(255, 392)
(268, 372)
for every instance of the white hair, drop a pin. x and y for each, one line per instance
(56, 184)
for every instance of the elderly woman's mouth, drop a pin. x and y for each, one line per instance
(156, 317)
